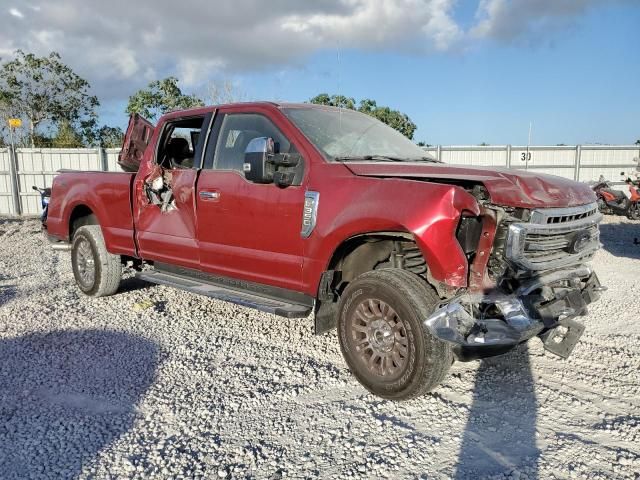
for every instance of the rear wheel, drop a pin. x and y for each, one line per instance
(97, 272)
(383, 338)
(634, 211)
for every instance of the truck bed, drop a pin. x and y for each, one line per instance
(105, 194)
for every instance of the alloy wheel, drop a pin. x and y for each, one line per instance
(379, 338)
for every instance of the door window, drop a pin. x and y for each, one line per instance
(179, 142)
(237, 131)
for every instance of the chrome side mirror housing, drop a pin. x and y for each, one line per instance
(258, 164)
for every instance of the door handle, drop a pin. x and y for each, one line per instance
(208, 195)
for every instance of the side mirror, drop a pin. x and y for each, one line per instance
(258, 160)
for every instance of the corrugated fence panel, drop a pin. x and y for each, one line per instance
(489, 156)
(550, 160)
(544, 156)
(431, 150)
(112, 159)
(595, 161)
(6, 200)
(609, 155)
(38, 167)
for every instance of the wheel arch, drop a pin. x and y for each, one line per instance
(362, 252)
(80, 215)
(358, 254)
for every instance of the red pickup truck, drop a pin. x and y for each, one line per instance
(298, 208)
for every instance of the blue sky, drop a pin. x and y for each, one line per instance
(465, 71)
(581, 85)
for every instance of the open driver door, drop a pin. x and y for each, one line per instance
(135, 142)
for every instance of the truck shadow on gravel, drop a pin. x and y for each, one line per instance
(7, 292)
(66, 395)
(618, 239)
(131, 284)
(500, 436)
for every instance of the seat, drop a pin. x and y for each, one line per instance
(178, 153)
(615, 193)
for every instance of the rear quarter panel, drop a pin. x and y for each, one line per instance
(106, 194)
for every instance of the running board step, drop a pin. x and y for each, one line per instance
(246, 299)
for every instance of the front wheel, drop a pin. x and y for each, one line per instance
(97, 272)
(382, 336)
(634, 211)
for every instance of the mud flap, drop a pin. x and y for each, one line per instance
(562, 339)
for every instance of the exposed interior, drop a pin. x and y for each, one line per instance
(178, 144)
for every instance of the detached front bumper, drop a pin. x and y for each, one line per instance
(480, 326)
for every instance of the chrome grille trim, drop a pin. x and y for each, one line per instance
(545, 242)
(563, 215)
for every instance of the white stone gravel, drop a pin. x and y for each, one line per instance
(196, 388)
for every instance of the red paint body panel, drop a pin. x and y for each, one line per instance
(135, 143)
(351, 205)
(252, 232)
(514, 188)
(168, 237)
(108, 195)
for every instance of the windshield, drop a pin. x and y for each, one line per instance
(345, 134)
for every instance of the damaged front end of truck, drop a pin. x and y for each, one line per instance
(528, 277)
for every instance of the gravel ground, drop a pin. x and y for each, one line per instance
(155, 382)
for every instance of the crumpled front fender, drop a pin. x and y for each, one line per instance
(435, 234)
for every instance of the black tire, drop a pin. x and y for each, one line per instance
(634, 211)
(89, 253)
(417, 362)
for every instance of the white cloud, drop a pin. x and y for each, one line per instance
(118, 45)
(124, 59)
(196, 72)
(192, 40)
(16, 13)
(374, 24)
(506, 20)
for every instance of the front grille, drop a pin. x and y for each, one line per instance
(549, 216)
(554, 238)
(541, 248)
(571, 218)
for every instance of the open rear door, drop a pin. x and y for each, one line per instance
(135, 142)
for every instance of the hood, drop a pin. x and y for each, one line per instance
(514, 188)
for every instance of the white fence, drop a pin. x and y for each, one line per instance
(582, 162)
(38, 166)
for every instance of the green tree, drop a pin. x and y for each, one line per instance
(66, 137)
(334, 101)
(394, 118)
(160, 97)
(44, 90)
(40, 140)
(638, 142)
(110, 137)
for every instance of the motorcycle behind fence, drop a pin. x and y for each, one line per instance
(45, 195)
(615, 202)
